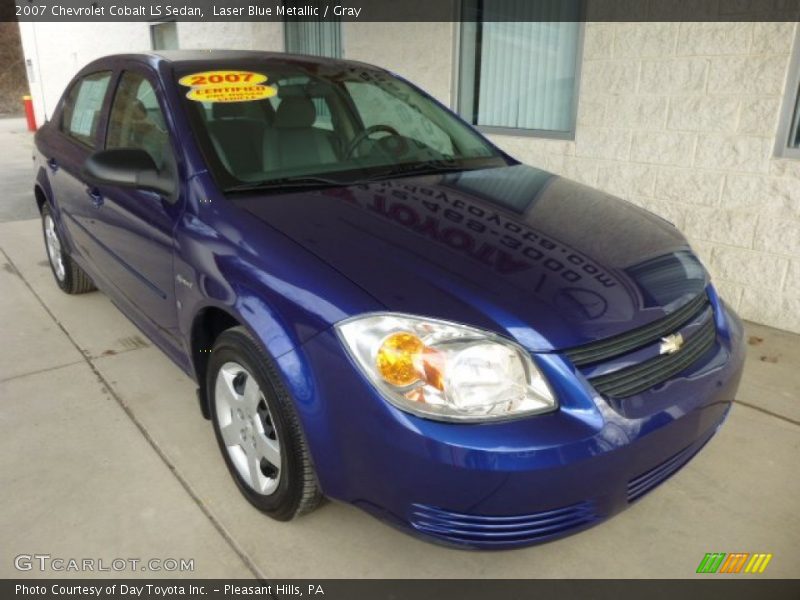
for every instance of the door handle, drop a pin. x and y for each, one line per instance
(96, 196)
(53, 164)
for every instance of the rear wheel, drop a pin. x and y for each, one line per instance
(68, 275)
(257, 428)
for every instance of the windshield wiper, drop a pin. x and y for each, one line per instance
(428, 167)
(286, 183)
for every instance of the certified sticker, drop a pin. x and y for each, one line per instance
(231, 93)
(227, 86)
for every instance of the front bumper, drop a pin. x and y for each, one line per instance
(515, 483)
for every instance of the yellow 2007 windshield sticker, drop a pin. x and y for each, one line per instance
(207, 78)
(227, 86)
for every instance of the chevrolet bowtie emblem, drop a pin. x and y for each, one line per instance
(671, 344)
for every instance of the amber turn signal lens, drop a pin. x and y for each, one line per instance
(397, 358)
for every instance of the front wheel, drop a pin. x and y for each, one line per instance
(68, 275)
(258, 430)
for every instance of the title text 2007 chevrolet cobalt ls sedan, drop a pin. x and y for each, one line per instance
(378, 305)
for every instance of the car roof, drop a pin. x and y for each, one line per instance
(184, 58)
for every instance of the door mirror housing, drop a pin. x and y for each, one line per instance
(127, 167)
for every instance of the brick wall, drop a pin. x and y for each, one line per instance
(680, 118)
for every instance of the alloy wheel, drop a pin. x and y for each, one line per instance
(247, 428)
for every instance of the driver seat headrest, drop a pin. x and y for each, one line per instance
(295, 111)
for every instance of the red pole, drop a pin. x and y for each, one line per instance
(29, 114)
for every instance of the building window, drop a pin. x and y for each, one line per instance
(787, 142)
(164, 36)
(519, 63)
(320, 38)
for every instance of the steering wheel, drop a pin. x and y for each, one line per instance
(360, 137)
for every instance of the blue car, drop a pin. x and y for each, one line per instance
(378, 305)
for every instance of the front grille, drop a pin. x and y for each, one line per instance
(639, 337)
(638, 378)
(469, 529)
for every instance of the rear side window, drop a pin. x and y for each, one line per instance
(81, 115)
(136, 119)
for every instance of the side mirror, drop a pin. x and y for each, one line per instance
(127, 167)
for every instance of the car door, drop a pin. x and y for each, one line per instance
(79, 124)
(134, 226)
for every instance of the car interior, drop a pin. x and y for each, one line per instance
(283, 133)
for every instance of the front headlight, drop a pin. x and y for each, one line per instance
(445, 371)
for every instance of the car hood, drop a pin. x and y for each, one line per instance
(545, 260)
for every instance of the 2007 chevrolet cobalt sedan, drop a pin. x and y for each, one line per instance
(379, 305)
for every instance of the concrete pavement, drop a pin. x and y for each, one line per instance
(103, 453)
(15, 142)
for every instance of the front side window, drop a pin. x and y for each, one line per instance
(373, 125)
(518, 65)
(83, 107)
(136, 120)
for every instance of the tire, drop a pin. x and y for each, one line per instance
(257, 427)
(68, 275)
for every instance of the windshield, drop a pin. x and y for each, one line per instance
(274, 122)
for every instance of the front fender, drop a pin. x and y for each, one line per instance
(281, 293)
